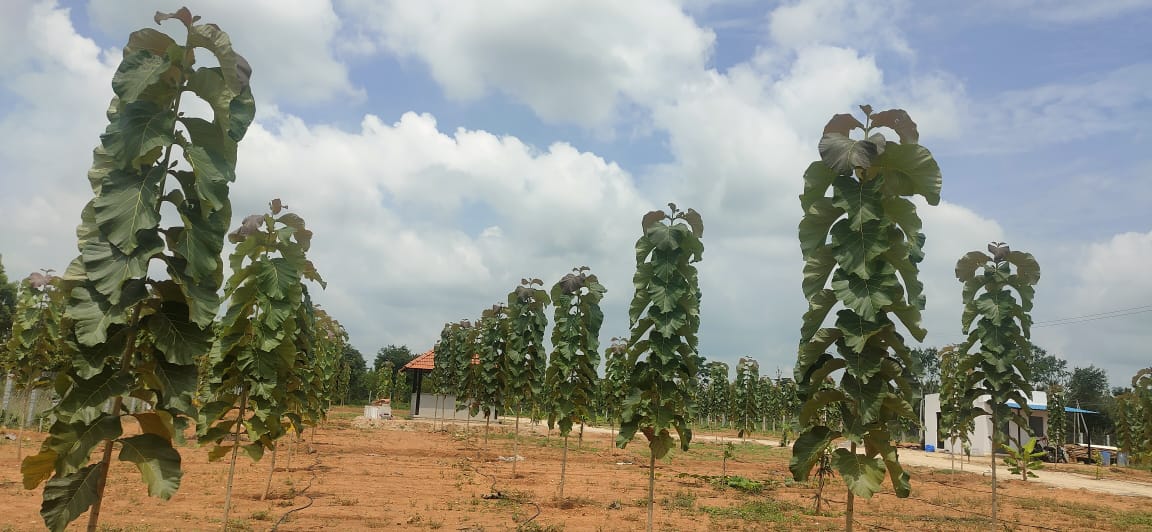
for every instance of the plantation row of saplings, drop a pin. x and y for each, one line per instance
(144, 359)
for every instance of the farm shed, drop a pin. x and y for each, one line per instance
(981, 437)
(430, 404)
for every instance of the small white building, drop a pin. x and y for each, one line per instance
(981, 438)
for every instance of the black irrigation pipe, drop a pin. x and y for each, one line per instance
(311, 468)
(497, 494)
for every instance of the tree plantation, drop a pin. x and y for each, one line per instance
(181, 373)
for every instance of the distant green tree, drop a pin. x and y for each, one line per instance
(1046, 369)
(1088, 389)
(398, 355)
(744, 405)
(928, 375)
(7, 303)
(358, 382)
(1057, 417)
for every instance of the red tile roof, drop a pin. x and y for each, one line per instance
(427, 361)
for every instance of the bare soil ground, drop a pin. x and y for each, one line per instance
(403, 475)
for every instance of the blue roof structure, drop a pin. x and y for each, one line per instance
(1039, 407)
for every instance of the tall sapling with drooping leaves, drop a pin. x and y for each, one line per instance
(861, 245)
(995, 354)
(134, 335)
(255, 354)
(527, 357)
(570, 381)
(662, 349)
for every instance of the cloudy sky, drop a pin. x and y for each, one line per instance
(442, 150)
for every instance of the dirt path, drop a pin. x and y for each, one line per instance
(980, 466)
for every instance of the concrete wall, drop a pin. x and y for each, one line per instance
(981, 436)
(439, 406)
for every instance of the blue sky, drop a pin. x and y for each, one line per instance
(447, 150)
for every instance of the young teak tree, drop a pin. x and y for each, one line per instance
(861, 246)
(998, 289)
(956, 421)
(570, 381)
(34, 349)
(1057, 419)
(527, 357)
(493, 368)
(614, 385)
(135, 335)
(662, 353)
(744, 404)
(255, 353)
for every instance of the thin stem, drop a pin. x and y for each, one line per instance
(117, 403)
(850, 511)
(235, 447)
(516, 443)
(271, 469)
(563, 466)
(651, 485)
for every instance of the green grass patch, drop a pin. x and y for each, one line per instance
(760, 510)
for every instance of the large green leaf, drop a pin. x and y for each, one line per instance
(1027, 269)
(139, 129)
(139, 72)
(148, 39)
(74, 442)
(157, 461)
(903, 213)
(128, 203)
(867, 297)
(857, 330)
(180, 340)
(67, 497)
(909, 169)
(232, 65)
(811, 350)
(818, 266)
(817, 178)
(862, 474)
(808, 449)
(968, 264)
(854, 249)
(85, 399)
(818, 217)
(818, 307)
(38, 467)
(112, 273)
(860, 201)
(200, 241)
(844, 155)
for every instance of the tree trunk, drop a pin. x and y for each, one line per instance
(850, 511)
(651, 485)
(993, 453)
(563, 466)
(580, 438)
(20, 431)
(516, 444)
(235, 447)
(9, 383)
(268, 484)
(487, 423)
(102, 474)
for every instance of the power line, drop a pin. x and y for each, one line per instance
(1090, 317)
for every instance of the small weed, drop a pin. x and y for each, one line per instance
(681, 500)
(341, 501)
(261, 515)
(415, 519)
(761, 510)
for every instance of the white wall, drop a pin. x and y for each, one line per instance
(981, 437)
(439, 406)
